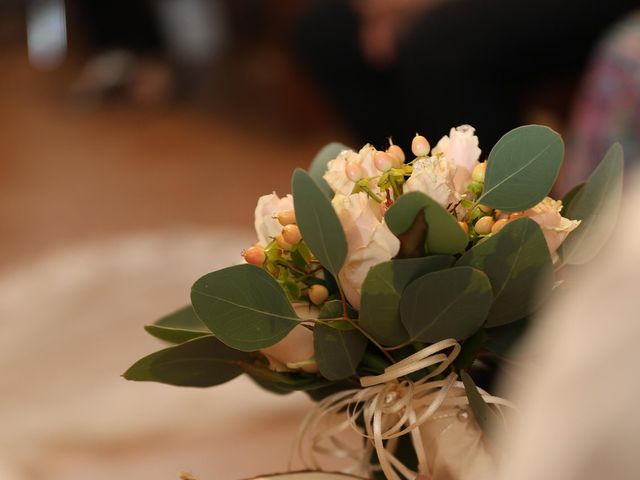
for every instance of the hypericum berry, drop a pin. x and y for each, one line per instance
(383, 161)
(464, 226)
(397, 154)
(354, 171)
(282, 243)
(255, 255)
(515, 215)
(318, 294)
(286, 217)
(499, 225)
(483, 225)
(420, 146)
(291, 234)
(478, 172)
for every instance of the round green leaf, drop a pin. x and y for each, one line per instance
(243, 306)
(319, 165)
(597, 205)
(450, 303)
(178, 327)
(522, 168)
(337, 351)
(382, 290)
(318, 222)
(444, 235)
(201, 362)
(518, 264)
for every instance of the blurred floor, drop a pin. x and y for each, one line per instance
(69, 174)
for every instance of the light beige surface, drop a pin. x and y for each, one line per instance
(71, 323)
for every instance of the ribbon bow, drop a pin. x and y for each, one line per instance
(389, 406)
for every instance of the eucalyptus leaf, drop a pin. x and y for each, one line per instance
(470, 349)
(444, 235)
(596, 205)
(318, 222)
(570, 196)
(201, 362)
(285, 381)
(486, 418)
(382, 290)
(451, 303)
(502, 340)
(518, 264)
(178, 327)
(337, 351)
(243, 306)
(522, 168)
(319, 164)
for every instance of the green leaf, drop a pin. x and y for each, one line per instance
(284, 381)
(518, 264)
(470, 349)
(502, 340)
(178, 327)
(382, 290)
(319, 165)
(486, 418)
(522, 168)
(201, 362)
(335, 309)
(444, 235)
(450, 303)
(318, 222)
(571, 196)
(338, 352)
(597, 206)
(243, 306)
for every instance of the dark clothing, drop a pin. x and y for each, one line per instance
(463, 62)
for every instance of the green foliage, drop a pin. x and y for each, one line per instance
(201, 362)
(502, 340)
(337, 351)
(522, 168)
(570, 197)
(470, 349)
(518, 264)
(244, 307)
(444, 235)
(178, 327)
(319, 165)
(486, 418)
(450, 303)
(596, 205)
(382, 290)
(318, 222)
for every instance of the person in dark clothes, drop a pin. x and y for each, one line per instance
(394, 67)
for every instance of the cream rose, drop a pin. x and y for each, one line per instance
(266, 225)
(369, 240)
(344, 170)
(554, 226)
(295, 351)
(433, 176)
(461, 148)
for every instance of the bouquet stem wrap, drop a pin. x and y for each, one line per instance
(388, 407)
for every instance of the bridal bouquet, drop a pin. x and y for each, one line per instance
(390, 288)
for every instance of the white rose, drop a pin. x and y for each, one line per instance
(554, 226)
(337, 177)
(295, 351)
(461, 148)
(433, 176)
(267, 226)
(369, 240)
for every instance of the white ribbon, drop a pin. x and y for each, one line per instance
(390, 406)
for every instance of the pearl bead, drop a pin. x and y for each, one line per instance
(463, 415)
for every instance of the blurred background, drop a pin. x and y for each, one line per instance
(136, 136)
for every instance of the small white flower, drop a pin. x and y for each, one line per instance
(266, 225)
(338, 177)
(461, 148)
(369, 241)
(433, 176)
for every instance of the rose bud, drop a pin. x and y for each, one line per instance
(318, 294)
(478, 172)
(499, 225)
(483, 225)
(395, 152)
(383, 161)
(255, 255)
(291, 234)
(420, 146)
(286, 217)
(354, 171)
(282, 243)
